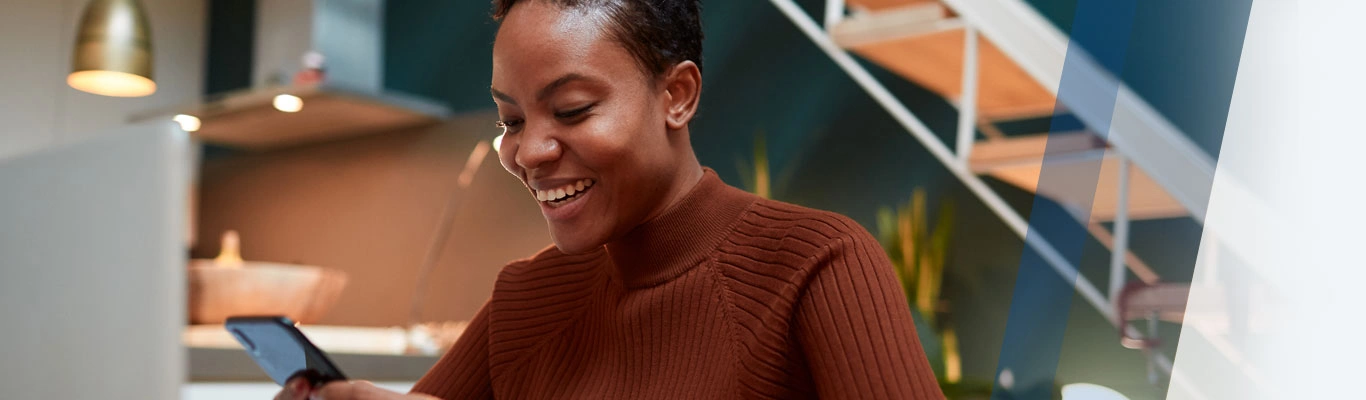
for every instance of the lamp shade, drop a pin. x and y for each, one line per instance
(113, 53)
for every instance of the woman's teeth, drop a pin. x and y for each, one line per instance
(564, 192)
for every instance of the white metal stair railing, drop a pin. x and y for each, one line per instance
(1137, 134)
(1135, 128)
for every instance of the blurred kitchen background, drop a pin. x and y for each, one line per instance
(355, 136)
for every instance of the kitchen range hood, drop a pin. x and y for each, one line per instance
(289, 104)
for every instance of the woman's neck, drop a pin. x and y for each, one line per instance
(685, 179)
(682, 235)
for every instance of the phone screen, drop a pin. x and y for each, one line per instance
(281, 350)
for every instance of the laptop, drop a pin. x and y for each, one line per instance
(92, 266)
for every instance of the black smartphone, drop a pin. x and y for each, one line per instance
(282, 351)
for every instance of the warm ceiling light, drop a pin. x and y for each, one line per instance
(111, 83)
(189, 123)
(113, 53)
(288, 103)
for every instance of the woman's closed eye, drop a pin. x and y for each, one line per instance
(513, 125)
(508, 125)
(573, 114)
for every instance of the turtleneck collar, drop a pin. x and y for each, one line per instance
(682, 237)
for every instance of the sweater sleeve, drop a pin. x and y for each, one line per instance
(855, 327)
(463, 373)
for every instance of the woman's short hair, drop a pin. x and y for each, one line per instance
(658, 33)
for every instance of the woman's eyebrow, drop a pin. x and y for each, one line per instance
(503, 96)
(546, 91)
(550, 89)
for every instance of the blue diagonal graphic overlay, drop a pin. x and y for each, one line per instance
(1042, 297)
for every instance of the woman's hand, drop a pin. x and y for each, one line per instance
(295, 389)
(299, 389)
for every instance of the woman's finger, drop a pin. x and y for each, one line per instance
(351, 390)
(294, 389)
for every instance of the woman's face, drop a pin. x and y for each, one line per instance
(585, 127)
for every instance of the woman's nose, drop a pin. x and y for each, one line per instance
(537, 148)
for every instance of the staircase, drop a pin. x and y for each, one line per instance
(925, 41)
(999, 60)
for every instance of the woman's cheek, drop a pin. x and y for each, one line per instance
(603, 141)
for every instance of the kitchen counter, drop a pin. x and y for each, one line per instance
(233, 365)
(255, 390)
(373, 354)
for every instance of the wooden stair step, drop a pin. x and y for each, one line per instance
(922, 42)
(875, 5)
(1019, 162)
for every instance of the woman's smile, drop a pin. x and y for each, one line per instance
(561, 199)
(557, 196)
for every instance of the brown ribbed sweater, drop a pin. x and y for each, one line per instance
(724, 296)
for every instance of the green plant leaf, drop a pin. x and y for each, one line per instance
(761, 175)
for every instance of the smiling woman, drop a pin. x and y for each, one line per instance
(576, 106)
(663, 282)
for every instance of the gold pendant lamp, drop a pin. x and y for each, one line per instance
(113, 54)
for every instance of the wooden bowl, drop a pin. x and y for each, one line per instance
(302, 293)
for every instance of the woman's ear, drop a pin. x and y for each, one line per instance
(683, 89)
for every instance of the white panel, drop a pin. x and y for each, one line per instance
(92, 267)
(1282, 240)
(32, 52)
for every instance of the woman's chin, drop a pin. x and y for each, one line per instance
(575, 247)
(575, 241)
